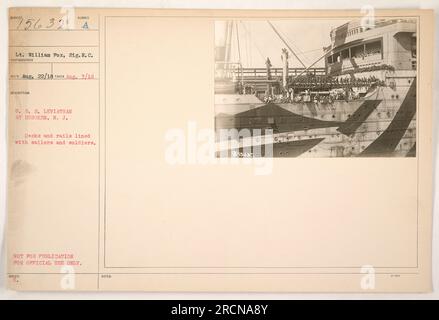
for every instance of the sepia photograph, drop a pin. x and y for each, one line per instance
(165, 151)
(316, 87)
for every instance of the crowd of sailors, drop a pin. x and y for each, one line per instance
(330, 81)
(307, 95)
(323, 89)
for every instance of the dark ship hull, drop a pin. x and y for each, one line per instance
(381, 124)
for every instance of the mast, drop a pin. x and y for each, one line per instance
(228, 41)
(284, 68)
(239, 55)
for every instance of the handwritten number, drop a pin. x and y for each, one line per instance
(51, 23)
(28, 24)
(19, 24)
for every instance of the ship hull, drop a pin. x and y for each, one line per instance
(381, 124)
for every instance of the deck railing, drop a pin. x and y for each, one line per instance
(261, 73)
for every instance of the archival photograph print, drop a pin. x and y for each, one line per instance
(316, 87)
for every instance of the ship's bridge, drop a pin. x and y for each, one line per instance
(389, 44)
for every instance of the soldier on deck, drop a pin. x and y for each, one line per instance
(291, 94)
